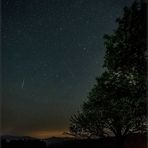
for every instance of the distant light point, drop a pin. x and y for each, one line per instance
(61, 28)
(84, 48)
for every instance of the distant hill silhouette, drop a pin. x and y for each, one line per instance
(133, 141)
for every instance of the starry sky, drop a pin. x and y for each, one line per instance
(52, 50)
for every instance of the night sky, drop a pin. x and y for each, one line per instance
(52, 50)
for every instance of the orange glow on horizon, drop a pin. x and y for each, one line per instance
(47, 134)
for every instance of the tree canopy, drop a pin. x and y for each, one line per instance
(117, 102)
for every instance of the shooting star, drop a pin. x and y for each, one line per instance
(23, 84)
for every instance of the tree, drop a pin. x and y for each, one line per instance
(117, 103)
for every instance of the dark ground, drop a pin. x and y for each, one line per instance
(134, 141)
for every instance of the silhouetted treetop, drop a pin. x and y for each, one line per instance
(117, 102)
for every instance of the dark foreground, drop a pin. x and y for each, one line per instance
(134, 141)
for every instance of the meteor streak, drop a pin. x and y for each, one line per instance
(23, 84)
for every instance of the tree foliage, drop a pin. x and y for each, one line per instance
(117, 103)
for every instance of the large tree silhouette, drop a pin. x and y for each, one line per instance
(117, 103)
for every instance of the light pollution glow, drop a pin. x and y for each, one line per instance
(47, 134)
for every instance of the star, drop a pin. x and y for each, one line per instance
(57, 76)
(61, 28)
(7, 2)
(84, 48)
(45, 74)
(87, 22)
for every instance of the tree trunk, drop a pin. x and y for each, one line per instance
(120, 141)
